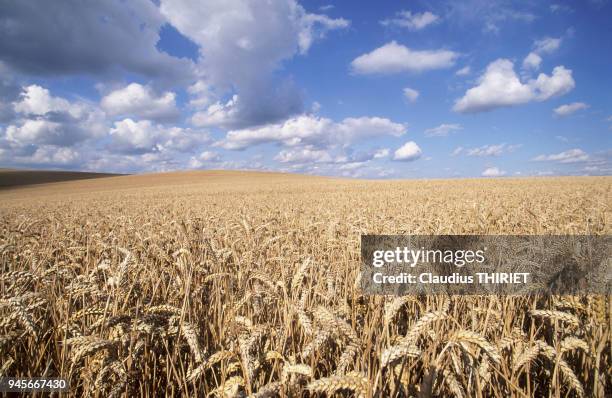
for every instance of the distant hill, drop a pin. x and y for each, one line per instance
(22, 183)
(11, 178)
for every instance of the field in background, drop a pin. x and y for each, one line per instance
(232, 283)
(12, 178)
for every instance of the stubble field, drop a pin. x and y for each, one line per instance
(232, 284)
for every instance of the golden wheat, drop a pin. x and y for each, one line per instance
(251, 286)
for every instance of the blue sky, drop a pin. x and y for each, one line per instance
(403, 89)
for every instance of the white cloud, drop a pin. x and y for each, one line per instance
(408, 152)
(202, 94)
(45, 155)
(161, 161)
(493, 172)
(314, 26)
(140, 101)
(547, 45)
(532, 61)
(491, 150)
(242, 46)
(499, 86)
(144, 136)
(312, 130)
(568, 109)
(442, 130)
(457, 151)
(486, 150)
(36, 100)
(353, 169)
(466, 70)
(195, 163)
(210, 156)
(135, 135)
(406, 19)
(352, 166)
(218, 114)
(206, 157)
(36, 132)
(381, 153)
(570, 156)
(52, 155)
(45, 119)
(303, 155)
(394, 58)
(411, 94)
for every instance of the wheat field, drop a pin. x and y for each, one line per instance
(234, 284)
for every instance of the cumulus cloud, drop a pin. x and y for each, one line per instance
(50, 155)
(570, 156)
(466, 70)
(126, 163)
(41, 118)
(210, 156)
(568, 109)
(547, 45)
(312, 130)
(240, 55)
(411, 94)
(493, 172)
(394, 58)
(303, 155)
(48, 130)
(36, 100)
(381, 153)
(95, 38)
(44, 156)
(315, 26)
(442, 130)
(408, 152)
(416, 21)
(140, 101)
(134, 136)
(532, 61)
(218, 114)
(38, 132)
(500, 86)
(206, 157)
(143, 136)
